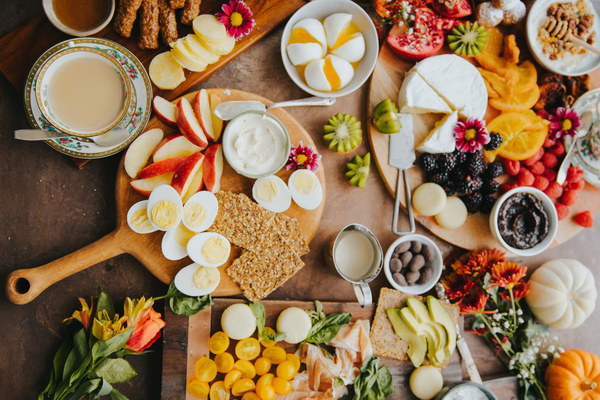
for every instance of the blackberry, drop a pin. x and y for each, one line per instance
(428, 163)
(460, 157)
(487, 203)
(458, 175)
(469, 185)
(494, 170)
(449, 187)
(472, 201)
(446, 162)
(476, 165)
(495, 141)
(441, 178)
(490, 187)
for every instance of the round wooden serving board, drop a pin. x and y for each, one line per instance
(475, 234)
(24, 285)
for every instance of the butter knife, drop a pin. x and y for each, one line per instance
(402, 156)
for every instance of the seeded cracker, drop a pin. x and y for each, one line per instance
(293, 235)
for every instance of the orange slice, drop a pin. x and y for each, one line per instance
(494, 44)
(508, 126)
(517, 102)
(524, 145)
(511, 51)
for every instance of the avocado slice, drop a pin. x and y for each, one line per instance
(439, 314)
(417, 344)
(424, 323)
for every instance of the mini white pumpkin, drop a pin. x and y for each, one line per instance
(562, 293)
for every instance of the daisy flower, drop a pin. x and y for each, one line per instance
(471, 135)
(564, 122)
(507, 274)
(237, 18)
(303, 157)
(474, 301)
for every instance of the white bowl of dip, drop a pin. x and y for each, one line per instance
(465, 391)
(256, 144)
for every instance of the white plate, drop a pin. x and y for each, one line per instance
(134, 121)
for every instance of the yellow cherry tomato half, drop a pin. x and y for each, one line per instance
(276, 354)
(282, 386)
(231, 378)
(294, 359)
(266, 379)
(247, 349)
(242, 386)
(250, 396)
(205, 369)
(267, 392)
(267, 342)
(224, 362)
(246, 368)
(262, 365)
(218, 342)
(218, 391)
(197, 388)
(286, 370)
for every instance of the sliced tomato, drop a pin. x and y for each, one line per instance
(416, 45)
(453, 8)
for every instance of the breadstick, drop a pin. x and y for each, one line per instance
(149, 25)
(190, 11)
(126, 15)
(167, 22)
(175, 4)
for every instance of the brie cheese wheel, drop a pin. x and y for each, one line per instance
(417, 97)
(441, 138)
(457, 81)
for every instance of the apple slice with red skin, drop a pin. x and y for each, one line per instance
(146, 186)
(185, 173)
(167, 166)
(201, 106)
(188, 123)
(165, 110)
(174, 146)
(140, 151)
(217, 123)
(195, 186)
(213, 168)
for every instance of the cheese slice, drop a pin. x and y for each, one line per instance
(457, 81)
(441, 138)
(417, 97)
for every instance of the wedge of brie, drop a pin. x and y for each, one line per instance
(417, 97)
(441, 138)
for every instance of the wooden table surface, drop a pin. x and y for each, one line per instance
(50, 208)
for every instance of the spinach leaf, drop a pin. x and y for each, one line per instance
(325, 327)
(373, 383)
(186, 305)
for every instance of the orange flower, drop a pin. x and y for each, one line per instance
(520, 290)
(474, 301)
(146, 322)
(507, 274)
(488, 258)
(456, 285)
(84, 315)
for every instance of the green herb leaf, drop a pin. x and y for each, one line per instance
(325, 327)
(104, 303)
(86, 388)
(116, 395)
(108, 347)
(76, 355)
(186, 305)
(317, 314)
(105, 388)
(115, 370)
(258, 309)
(373, 383)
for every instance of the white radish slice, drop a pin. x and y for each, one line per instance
(453, 215)
(165, 72)
(209, 28)
(429, 199)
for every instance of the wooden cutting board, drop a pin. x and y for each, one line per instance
(475, 234)
(185, 340)
(24, 285)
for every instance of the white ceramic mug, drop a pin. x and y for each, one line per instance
(360, 283)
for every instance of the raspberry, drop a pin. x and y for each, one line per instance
(542, 113)
(559, 149)
(569, 197)
(525, 178)
(505, 187)
(554, 190)
(585, 219)
(550, 174)
(549, 160)
(576, 185)
(549, 142)
(562, 211)
(541, 182)
(574, 174)
(512, 167)
(537, 168)
(536, 157)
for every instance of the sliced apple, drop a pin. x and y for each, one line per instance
(140, 151)
(217, 123)
(213, 168)
(165, 110)
(188, 123)
(185, 173)
(195, 186)
(201, 106)
(197, 48)
(146, 186)
(165, 71)
(174, 146)
(167, 166)
(185, 58)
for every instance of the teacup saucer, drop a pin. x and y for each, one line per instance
(584, 157)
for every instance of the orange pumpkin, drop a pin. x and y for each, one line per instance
(575, 375)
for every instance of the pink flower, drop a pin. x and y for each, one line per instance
(303, 157)
(237, 18)
(564, 122)
(471, 135)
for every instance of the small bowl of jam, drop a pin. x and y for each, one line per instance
(524, 221)
(79, 17)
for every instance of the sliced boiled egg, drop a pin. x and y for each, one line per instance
(303, 53)
(315, 77)
(137, 218)
(272, 194)
(174, 242)
(309, 30)
(335, 25)
(196, 280)
(353, 49)
(305, 189)
(209, 249)
(165, 208)
(200, 211)
(329, 73)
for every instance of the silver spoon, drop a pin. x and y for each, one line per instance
(230, 109)
(110, 138)
(586, 124)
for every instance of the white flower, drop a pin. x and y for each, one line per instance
(544, 356)
(497, 316)
(561, 350)
(525, 373)
(551, 348)
(520, 320)
(519, 312)
(506, 324)
(511, 311)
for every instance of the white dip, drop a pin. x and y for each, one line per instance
(256, 144)
(466, 392)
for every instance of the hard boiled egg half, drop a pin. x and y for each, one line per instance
(200, 211)
(329, 73)
(137, 218)
(343, 38)
(164, 208)
(307, 41)
(306, 189)
(196, 280)
(174, 242)
(209, 249)
(272, 194)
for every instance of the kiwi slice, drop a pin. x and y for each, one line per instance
(467, 39)
(342, 133)
(357, 170)
(385, 118)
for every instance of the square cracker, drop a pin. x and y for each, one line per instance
(290, 229)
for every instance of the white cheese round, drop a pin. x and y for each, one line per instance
(425, 382)
(453, 215)
(295, 323)
(238, 321)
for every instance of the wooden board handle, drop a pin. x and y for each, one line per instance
(24, 285)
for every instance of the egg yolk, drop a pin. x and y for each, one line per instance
(305, 183)
(331, 75)
(194, 214)
(140, 220)
(301, 35)
(204, 277)
(164, 214)
(183, 235)
(215, 250)
(267, 190)
(345, 35)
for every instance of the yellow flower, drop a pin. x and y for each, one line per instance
(136, 309)
(104, 328)
(145, 321)
(84, 315)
